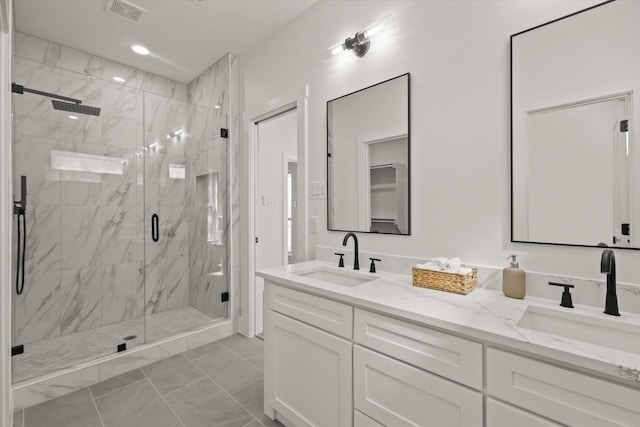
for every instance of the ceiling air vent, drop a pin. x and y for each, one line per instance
(125, 10)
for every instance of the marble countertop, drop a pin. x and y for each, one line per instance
(485, 315)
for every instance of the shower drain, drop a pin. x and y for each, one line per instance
(130, 337)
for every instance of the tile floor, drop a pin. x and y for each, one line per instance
(218, 384)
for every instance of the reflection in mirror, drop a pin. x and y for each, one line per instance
(574, 101)
(368, 159)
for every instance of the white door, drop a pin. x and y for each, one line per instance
(277, 143)
(558, 201)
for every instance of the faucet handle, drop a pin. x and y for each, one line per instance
(341, 262)
(372, 267)
(566, 294)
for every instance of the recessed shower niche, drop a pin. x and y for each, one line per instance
(207, 199)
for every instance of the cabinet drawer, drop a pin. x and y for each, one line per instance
(331, 316)
(569, 397)
(500, 414)
(396, 394)
(360, 420)
(443, 354)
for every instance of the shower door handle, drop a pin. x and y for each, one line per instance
(155, 233)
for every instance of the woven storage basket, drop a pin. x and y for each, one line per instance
(448, 282)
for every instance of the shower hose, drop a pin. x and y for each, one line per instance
(22, 241)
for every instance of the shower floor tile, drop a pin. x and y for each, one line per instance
(136, 398)
(44, 357)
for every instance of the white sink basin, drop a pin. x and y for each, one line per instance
(337, 277)
(620, 333)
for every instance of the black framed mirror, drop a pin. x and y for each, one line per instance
(575, 160)
(368, 159)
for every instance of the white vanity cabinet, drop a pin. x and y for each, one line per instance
(559, 394)
(394, 381)
(308, 371)
(330, 364)
(397, 374)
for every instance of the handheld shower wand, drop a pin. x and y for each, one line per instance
(19, 208)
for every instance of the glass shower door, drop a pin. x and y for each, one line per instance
(185, 219)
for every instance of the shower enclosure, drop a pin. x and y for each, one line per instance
(127, 212)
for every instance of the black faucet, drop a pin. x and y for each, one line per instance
(356, 262)
(608, 267)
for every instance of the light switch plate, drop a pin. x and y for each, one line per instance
(318, 190)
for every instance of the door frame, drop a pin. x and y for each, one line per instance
(6, 211)
(247, 320)
(285, 209)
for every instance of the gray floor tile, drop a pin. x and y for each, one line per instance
(194, 353)
(137, 405)
(172, 373)
(72, 410)
(205, 404)
(115, 383)
(242, 345)
(257, 360)
(18, 418)
(231, 372)
(252, 398)
(254, 423)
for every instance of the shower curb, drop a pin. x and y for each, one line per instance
(38, 390)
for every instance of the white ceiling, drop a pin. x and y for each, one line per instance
(185, 37)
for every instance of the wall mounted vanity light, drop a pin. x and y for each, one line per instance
(361, 41)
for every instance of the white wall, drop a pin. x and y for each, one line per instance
(6, 210)
(458, 55)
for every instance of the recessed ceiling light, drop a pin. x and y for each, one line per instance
(139, 49)
(72, 117)
(118, 79)
(217, 106)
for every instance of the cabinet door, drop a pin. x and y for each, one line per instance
(308, 374)
(360, 420)
(396, 394)
(502, 415)
(559, 394)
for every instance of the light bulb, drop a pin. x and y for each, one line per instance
(334, 50)
(377, 27)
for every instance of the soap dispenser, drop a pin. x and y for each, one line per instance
(514, 279)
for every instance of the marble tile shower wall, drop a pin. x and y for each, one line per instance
(209, 153)
(85, 250)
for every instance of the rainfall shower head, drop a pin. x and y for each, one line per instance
(71, 105)
(75, 108)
